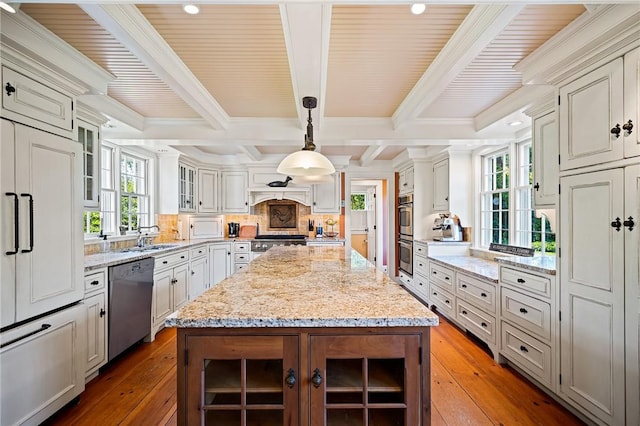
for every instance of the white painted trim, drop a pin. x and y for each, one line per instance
(114, 109)
(371, 154)
(544, 105)
(522, 98)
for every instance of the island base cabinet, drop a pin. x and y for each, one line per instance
(307, 377)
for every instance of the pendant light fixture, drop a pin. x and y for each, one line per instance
(307, 162)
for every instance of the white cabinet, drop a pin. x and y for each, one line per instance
(235, 197)
(594, 265)
(96, 320)
(41, 234)
(89, 138)
(326, 196)
(405, 181)
(28, 101)
(170, 286)
(219, 262)
(599, 114)
(545, 160)
(241, 256)
(186, 188)
(208, 191)
(441, 185)
(205, 227)
(199, 266)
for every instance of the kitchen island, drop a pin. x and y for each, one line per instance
(304, 336)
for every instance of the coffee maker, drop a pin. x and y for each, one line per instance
(234, 229)
(448, 228)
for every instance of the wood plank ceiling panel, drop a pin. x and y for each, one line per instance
(378, 53)
(491, 77)
(237, 52)
(136, 86)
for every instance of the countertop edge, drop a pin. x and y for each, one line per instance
(303, 323)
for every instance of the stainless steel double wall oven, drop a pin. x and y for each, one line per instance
(405, 236)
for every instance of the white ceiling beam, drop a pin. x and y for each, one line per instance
(114, 110)
(524, 97)
(127, 24)
(367, 158)
(476, 32)
(347, 2)
(252, 152)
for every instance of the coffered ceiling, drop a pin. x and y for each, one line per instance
(227, 83)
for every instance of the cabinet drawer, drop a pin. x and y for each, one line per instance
(241, 246)
(421, 286)
(420, 266)
(198, 252)
(420, 249)
(442, 299)
(171, 260)
(533, 283)
(442, 276)
(480, 293)
(241, 257)
(478, 322)
(95, 281)
(239, 266)
(532, 314)
(527, 352)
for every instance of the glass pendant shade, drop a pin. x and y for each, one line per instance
(310, 180)
(306, 163)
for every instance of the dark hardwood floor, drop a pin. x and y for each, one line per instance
(468, 388)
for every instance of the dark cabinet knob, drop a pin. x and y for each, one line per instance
(629, 223)
(524, 349)
(464, 312)
(446, 278)
(95, 282)
(524, 311)
(446, 301)
(484, 324)
(102, 312)
(616, 224)
(10, 89)
(520, 280)
(200, 202)
(536, 186)
(290, 380)
(316, 379)
(615, 131)
(464, 286)
(483, 294)
(627, 127)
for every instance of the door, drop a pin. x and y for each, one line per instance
(371, 224)
(8, 222)
(207, 191)
(441, 186)
(545, 164)
(358, 380)
(162, 288)
(50, 267)
(592, 293)
(199, 280)
(180, 286)
(590, 109)
(235, 198)
(242, 380)
(96, 331)
(219, 262)
(326, 196)
(187, 183)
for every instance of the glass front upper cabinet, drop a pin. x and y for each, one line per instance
(89, 137)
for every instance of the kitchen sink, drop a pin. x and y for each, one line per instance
(148, 248)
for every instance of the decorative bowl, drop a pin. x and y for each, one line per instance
(330, 234)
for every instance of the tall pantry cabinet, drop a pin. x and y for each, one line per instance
(599, 239)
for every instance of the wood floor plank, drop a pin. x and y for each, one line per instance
(436, 417)
(158, 405)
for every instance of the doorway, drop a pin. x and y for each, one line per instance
(366, 203)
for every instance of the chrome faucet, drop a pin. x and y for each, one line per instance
(141, 239)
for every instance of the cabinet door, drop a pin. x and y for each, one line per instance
(162, 288)
(50, 271)
(199, 280)
(326, 196)
(592, 293)
(375, 377)
(89, 139)
(186, 189)
(234, 380)
(235, 198)
(219, 262)
(441, 186)
(96, 331)
(207, 191)
(590, 107)
(8, 221)
(545, 163)
(409, 180)
(180, 286)
(632, 103)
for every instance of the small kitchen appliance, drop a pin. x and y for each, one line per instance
(234, 229)
(447, 228)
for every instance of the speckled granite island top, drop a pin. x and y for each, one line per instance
(299, 286)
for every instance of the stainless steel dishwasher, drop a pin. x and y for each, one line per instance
(130, 294)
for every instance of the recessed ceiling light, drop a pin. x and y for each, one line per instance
(7, 7)
(191, 9)
(418, 8)
(515, 123)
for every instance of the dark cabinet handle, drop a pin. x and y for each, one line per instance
(95, 282)
(102, 312)
(627, 127)
(10, 89)
(537, 186)
(464, 312)
(629, 223)
(290, 380)
(524, 311)
(446, 301)
(434, 272)
(446, 198)
(191, 226)
(484, 324)
(181, 257)
(42, 328)
(30, 249)
(435, 294)
(316, 379)
(615, 131)
(524, 349)
(16, 226)
(520, 280)
(483, 294)
(164, 262)
(616, 224)
(446, 278)
(464, 286)
(193, 272)
(200, 202)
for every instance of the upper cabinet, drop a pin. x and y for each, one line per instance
(186, 188)
(89, 138)
(405, 181)
(208, 191)
(235, 197)
(599, 114)
(441, 185)
(545, 160)
(326, 196)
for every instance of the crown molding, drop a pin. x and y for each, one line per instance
(543, 106)
(478, 30)
(591, 38)
(127, 24)
(521, 98)
(86, 113)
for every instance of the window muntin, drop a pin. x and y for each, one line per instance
(134, 199)
(495, 199)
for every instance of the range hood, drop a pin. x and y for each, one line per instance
(301, 194)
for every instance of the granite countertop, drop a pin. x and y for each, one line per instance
(475, 266)
(301, 286)
(442, 243)
(544, 264)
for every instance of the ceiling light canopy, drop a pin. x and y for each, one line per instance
(307, 162)
(191, 9)
(418, 8)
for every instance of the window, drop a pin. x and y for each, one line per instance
(134, 199)
(507, 210)
(103, 221)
